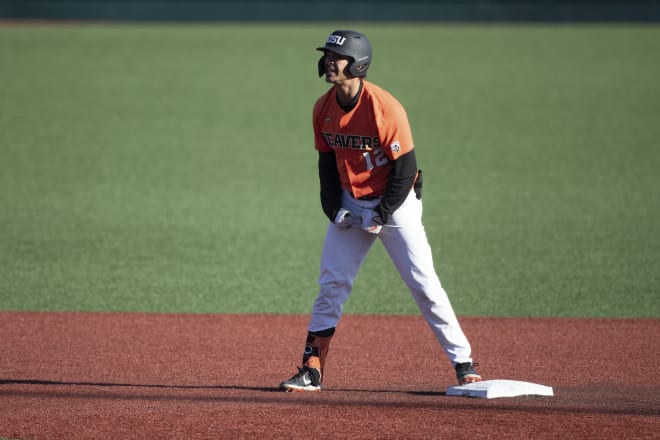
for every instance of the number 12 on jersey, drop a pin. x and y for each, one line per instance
(378, 160)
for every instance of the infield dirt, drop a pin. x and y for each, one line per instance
(121, 376)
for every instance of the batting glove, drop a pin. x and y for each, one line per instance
(345, 219)
(372, 223)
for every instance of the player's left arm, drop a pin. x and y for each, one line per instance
(402, 178)
(398, 146)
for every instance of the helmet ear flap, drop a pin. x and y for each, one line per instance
(322, 65)
(358, 70)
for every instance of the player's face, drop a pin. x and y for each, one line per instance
(336, 67)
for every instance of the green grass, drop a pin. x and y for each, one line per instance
(170, 168)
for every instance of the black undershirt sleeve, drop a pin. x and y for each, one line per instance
(330, 184)
(404, 171)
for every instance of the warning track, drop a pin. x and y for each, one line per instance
(111, 375)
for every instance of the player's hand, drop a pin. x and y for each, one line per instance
(345, 219)
(373, 223)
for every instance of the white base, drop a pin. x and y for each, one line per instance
(490, 389)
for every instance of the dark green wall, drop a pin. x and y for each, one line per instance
(317, 10)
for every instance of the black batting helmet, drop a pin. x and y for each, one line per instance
(350, 44)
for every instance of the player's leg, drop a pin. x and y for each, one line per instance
(344, 251)
(406, 243)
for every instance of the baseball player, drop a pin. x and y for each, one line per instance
(370, 189)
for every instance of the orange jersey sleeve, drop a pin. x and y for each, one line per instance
(317, 115)
(365, 140)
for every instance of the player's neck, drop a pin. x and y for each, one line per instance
(347, 92)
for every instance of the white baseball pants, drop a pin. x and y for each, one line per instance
(405, 241)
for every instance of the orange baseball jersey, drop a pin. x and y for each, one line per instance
(365, 139)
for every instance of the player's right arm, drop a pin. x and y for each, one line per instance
(330, 184)
(327, 164)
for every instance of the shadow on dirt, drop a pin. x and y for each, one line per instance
(569, 404)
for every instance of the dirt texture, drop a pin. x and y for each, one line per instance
(124, 376)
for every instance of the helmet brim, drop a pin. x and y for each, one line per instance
(341, 51)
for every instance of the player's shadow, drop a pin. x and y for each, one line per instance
(131, 385)
(197, 387)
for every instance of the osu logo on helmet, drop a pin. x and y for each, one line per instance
(336, 39)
